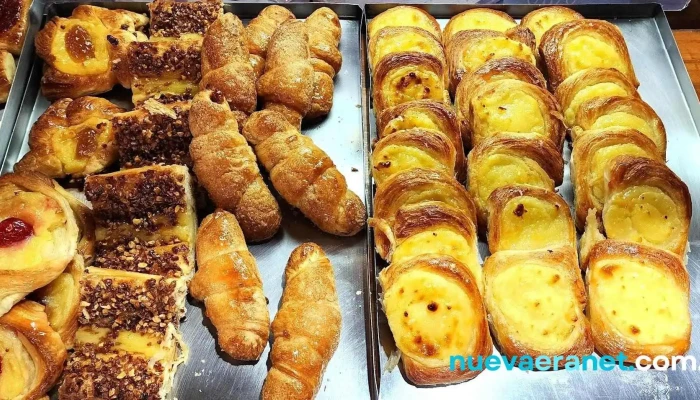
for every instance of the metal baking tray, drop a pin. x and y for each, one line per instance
(209, 373)
(666, 86)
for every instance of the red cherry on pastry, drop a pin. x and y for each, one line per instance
(14, 230)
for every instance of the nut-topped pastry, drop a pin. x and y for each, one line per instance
(174, 18)
(14, 20)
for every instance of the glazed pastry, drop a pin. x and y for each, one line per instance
(622, 112)
(7, 74)
(229, 283)
(543, 19)
(535, 301)
(591, 84)
(638, 301)
(13, 25)
(646, 203)
(304, 175)
(85, 53)
(173, 18)
(33, 354)
(592, 152)
(260, 30)
(400, 39)
(306, 328)
(570, 47)
(227, 168)
(323, 26)
(38, 235)
(435, 311)
(478, 19)
(72, 138)
(512, 160)
(404, 16)
(528, 218)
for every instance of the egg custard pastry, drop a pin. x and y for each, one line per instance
(175, 18)
(32, 353)
(512, 160)
(638, 301)
(543, 19)
(434, 309)
(7, 74)
(477, 19)
(14, 21)
(404, 16)
(72, 138)
(535, 302)
(574, 46)
(646, 203)
(622, 112)
(528, 218)
(400, 39)
(592, 152)
(591, 84)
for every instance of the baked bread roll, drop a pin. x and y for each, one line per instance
(591, 84)
(646, 203)
(7, 74)
(592, 152)
(260, 30)
(13, 25)
(38, 235)
(400, 39)
(434, 309)
(535, 301)
(638, 301)
(33, 355)
(72, 138)
(528, 218)
(304, 175)
(543, 19)
(323, 26)
(171, 18)
(228, 282)
(511, 160)
(227, 168)
(306, 328)
(622, 112)
(477, 19)
(401, 16)
(570, 47)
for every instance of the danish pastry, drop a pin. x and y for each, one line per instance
(543, 19)
(638, 301)
(7, 74)
(528, 218)
(477, 19)
(404, 16)
(72, 138)
(570, 47)
(14, 21)
(646, 203)
(175, 18)
(535, 301)
(434, 309)
(260, 30)
(401, 39)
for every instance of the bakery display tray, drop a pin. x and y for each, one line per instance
(666, 86)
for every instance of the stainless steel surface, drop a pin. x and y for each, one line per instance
(665, 85)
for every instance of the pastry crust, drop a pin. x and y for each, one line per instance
(638, 301)
(400, 39)
(573, 46)
(405, 16)
(535, 301)
(434, 309)
(324, 30)
(14, 21)
(7, 74)
(171, 18)
(260, 30)
(528, 218)
(543, 19)
(477, 19)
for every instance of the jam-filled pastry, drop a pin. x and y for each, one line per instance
(477, 19)
(646, 203)
(7, 74)
(72, 138)
(638, 301)
(32, 353)
(14, 20)
(175, 18)
(85, 54)
(535, 302)
(260, 30)
(543, 19)
(39, 235)
(399, 39)
(574, 46)
(528, 218)
(408, 16)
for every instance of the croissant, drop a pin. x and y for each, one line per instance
(306, 328)
(477, 19)
(435, 312)
(581, 44)
(226, 166)
(7, 74)
(638, 301)
(323, 26)
(404, 16)
(229, 283)
(304, 175)
(528, 218)
(646, 203)
(591, 84)
(33, 355)
(171, 18)
(543, 19)
(260, 30)
(72, 138)
(400, 39)
(38, 235)
(14, 20)
(535, 302)
(592, 152)
(622, 112)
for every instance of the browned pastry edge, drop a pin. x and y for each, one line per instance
(435, 31)
(396, 31)
(448, 35)
(7, 74)
(14, 20)
(531, 18)
(324, 37)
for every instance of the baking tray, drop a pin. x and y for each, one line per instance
(666, 86)
(209, 373)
